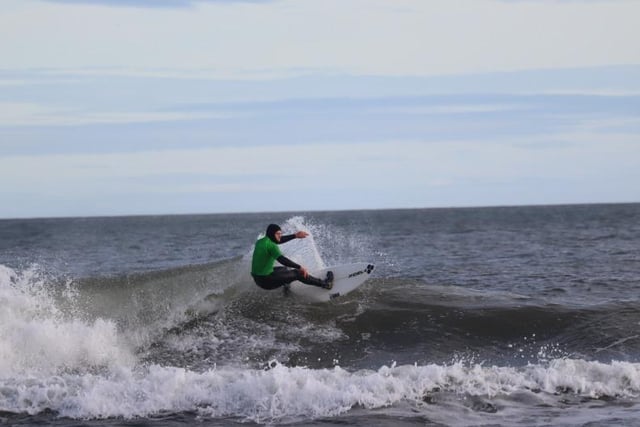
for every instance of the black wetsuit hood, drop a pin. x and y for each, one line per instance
(271, 232)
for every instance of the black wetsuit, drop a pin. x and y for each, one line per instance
(281, 276)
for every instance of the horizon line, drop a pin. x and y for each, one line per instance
(297, 212)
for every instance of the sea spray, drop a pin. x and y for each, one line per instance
(38, 338)
(305, 250)
(324, 246)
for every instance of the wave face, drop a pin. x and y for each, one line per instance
(492, 331)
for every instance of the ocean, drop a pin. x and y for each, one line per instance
(503, 316)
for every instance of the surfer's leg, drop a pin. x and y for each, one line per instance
(266, 282)
(287, 275)
(281, 276)
(314, 281)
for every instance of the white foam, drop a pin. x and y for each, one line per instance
(36, 338)
(284, 394)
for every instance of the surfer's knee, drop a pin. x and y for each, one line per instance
(299, 274)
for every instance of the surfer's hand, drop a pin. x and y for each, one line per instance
(304, 271)
(301, 234)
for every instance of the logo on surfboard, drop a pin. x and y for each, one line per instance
(367, 270)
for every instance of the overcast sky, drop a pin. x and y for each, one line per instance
(114, 107)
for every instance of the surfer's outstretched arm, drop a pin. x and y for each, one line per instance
(289, 237)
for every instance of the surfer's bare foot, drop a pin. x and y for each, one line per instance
(328, 282)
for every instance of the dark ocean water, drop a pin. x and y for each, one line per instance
(487, 316)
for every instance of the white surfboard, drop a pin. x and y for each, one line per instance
(346, 278)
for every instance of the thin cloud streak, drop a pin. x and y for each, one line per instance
(152, 4)
(34, 115)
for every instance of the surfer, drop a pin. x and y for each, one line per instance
(266, 252)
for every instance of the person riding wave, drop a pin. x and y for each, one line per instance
(266, 252)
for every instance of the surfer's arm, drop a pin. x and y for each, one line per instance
(289, 237)
(287, 262)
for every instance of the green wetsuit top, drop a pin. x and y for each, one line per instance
(266, 252)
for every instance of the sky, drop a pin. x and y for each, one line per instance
(131, 107)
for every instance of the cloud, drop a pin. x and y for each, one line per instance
(149, 3)
(374, 37)
(29, 115)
